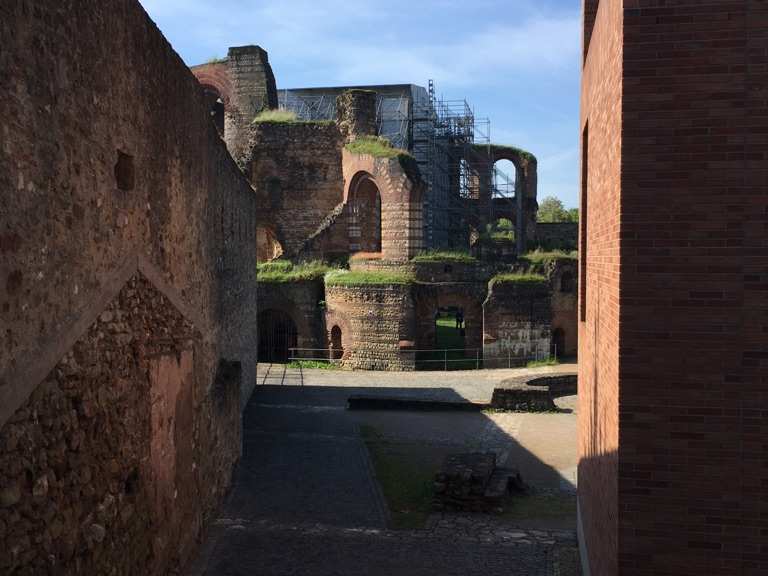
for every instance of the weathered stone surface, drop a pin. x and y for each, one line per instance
(533, 393)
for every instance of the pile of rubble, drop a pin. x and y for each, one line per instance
(473, 483)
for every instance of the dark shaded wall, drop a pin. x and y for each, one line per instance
(128, 270)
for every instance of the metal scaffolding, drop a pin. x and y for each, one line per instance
(444, 137)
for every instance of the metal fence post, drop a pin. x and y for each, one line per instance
(445, 359)
(477, 358)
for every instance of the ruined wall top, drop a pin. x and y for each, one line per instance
(356, 113)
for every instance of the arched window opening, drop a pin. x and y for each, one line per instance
(277, 336)
(337, 344)
(365, 217)
(216, 107)
(504, 178)
(566, 283)
(268, 247)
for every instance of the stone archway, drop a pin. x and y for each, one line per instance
(364, 214)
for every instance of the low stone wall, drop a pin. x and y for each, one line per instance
(376, 322)
(533, 393)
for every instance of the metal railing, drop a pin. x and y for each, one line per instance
(434, 359)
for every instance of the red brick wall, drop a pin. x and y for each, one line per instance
(694, 271)
(598, 333)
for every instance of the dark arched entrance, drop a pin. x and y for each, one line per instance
(277, 335)
(337, 344)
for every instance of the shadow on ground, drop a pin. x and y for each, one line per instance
(322, 490)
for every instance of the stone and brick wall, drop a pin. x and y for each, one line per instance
(401, 193)
(296, 170)
(356, 114)
(517, 321)
(375, 321)
(564, 285)
(118, 197)
(246, 84)
(468, 296)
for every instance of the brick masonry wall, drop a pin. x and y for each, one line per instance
(296, 171)
(598, 437)
(516, 323)
(468, 296)
(374, 320)
(693, 485)
(564, 285)
(401, 201)
(103, 176)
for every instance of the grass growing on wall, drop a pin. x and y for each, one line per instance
(518, 278)
(284, 117)
(445, 256)
(538, 260)
(281, 271)
(375, 146)
(365, 278)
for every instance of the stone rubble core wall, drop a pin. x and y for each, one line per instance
(296, 170)
(246, 84)
(517, 323)
(375, 320)
(356, 114)
(557, 235)
(110, 176)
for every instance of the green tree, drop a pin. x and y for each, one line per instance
(552, 209)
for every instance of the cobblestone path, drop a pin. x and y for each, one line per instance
(305, 502)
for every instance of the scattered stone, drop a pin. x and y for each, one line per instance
(10, 495)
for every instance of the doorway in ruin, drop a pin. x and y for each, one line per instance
(365, 217)
(277, 336)
(337, 344)
(557, 349)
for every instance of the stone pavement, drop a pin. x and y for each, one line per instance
(305, 499)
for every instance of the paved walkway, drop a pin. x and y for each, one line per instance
(472, 385)
(305, 500)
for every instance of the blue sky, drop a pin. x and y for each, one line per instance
(515, 61)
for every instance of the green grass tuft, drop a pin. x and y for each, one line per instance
(444, 256)
(374, 146)
(284, 117)
(539, 363)
(282, 271)
(538, 260)
(314, 364)
(518, 278)
(363, 278)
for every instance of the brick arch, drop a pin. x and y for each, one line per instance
(216, 76)
(334, 318)
(364, 225)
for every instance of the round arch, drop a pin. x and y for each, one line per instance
(364, 201)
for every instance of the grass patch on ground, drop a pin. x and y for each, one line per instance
(445, 256)
(538, 260)
(281, 271)
(449, 353)
(314, 364)
(366, 278)
(542, 509)
(405, 479)
(518, 278)
(539, 363)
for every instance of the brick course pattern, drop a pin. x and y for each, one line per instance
(673, 357)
